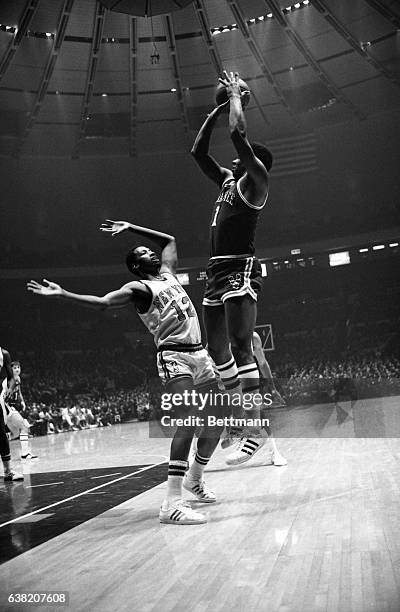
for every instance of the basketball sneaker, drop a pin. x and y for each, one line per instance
(180, 513)
(230, 435)
(246, 449)
(199, 489)
(29, 456)
(12, 476)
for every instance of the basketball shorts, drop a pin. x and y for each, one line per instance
(196, 364)
(228, 278)
(15, 420)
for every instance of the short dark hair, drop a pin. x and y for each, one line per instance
(131, 259)
(263, 154)
(14, 363)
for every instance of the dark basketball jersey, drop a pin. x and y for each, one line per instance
(233, 222)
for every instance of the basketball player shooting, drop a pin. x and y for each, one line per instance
(183, 364)
(233, 271)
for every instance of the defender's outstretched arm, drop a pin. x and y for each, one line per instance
(167, 243)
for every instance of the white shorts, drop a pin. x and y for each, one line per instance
(175, 364)
(15, 421)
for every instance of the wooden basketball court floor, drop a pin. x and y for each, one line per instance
(322, 533)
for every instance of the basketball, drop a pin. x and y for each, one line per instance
(221, 96)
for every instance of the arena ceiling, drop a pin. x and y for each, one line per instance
(77, 79)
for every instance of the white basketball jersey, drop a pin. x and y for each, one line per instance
(171, 318)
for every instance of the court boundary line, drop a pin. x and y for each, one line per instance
(58, 503)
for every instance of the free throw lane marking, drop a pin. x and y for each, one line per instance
(105, 475)
(47, 484)
(63, 501)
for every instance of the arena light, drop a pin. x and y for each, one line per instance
(264, 269)
(183, 278)
(104, 95)
(378, 247)
(394, 244)
(48, 34)
(339, 259)
(295, 251)
(363, 250)
(305, 2)
(297, 5)
(173, 89)
(269, 15)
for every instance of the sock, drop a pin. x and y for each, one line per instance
(198, 466)
(176, 472)
(228, 373)
(23, 438)
(250, 380)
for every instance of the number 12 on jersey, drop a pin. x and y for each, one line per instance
(189, 311)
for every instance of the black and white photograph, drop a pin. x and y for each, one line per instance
(200, 306)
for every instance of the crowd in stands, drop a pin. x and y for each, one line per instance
(74, 395)
(348, 378)
(84, 411)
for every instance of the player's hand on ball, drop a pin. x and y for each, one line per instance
(50, 289)
(115, 227)
(231, 82)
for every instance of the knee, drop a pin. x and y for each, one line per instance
(241, 349)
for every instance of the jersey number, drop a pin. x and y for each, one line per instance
(214, 222)
(189, 311)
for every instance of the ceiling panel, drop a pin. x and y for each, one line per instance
(46, 16)
(348, 69)
(81, 20)
(10, 12)
(158, 106)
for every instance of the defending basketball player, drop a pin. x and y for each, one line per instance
(233, 272)
(183, 364)
(6, 385)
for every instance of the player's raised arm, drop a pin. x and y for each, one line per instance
(200, 149)
(167, 243)
(133, 292)
(237, 126)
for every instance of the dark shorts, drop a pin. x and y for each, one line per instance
(228, 278)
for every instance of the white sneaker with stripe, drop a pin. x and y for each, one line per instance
(199, 490)
(180, 513)
(246, 449)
